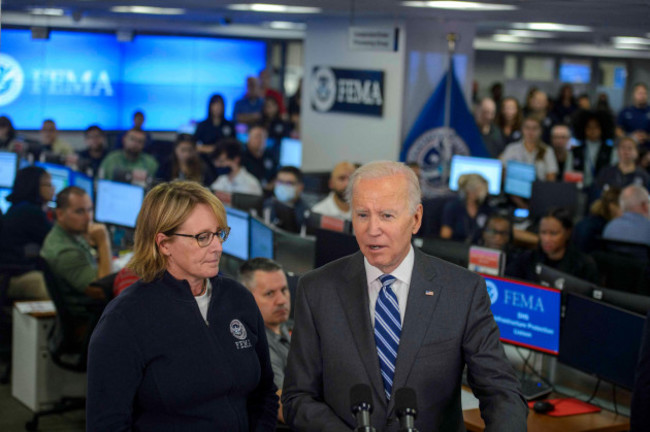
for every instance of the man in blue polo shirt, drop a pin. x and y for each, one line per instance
(635, 119)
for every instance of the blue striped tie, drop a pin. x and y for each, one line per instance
(387, 331)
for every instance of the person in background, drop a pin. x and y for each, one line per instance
(95, 152)
(232, 177)
(183, 349)
(24, 229)
(633, 226)
(67, 249)
(50, 141)
(257, 159)
(336, 205)
(496, 93)
(248, 109)
(9, 140)
(184, 163)
(626, 171)
(491, 134)
(634, 120)
(565, 105)
(276, 127)
(287, 192)
(268, 92)
(131, 157)
(499, 234)
(509, 120)
(561, 142)
(531, 149)
(583, 102)
(555, 250)
(464, 218)
(590, 228)
(538, 108)
(294, 111)
(215, 127)
(266, 280)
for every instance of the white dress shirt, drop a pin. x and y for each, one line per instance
(328, 207)
(243, 182)
(400, 286)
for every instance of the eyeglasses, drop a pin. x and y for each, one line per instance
(497, 232)
(204, 239)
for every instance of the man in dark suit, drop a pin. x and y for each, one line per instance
(392, 317)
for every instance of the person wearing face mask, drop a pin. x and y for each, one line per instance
(286, 208)
(555, 250)
(231, 175)
(464, 218)
(335, 204)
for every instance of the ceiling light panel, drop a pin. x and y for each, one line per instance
(460, 5)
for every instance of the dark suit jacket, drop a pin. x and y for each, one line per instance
(333, 348)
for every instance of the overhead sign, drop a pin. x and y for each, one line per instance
(347, 90)
(373, 38)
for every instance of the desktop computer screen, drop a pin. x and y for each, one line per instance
(4, 204)
(332, 245)
(489, 169)
(118, 203)
(291, 152)
(237, 243)
(527, 315)
(8, 164)
(84, 182)
(519, 179)
(600, 339)
(60, 175)
(261, 240)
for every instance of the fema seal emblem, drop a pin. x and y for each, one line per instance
(237, 329)
(433, 151)
(11, 79)
(323, 89)
(492, 290)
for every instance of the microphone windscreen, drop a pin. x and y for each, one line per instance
(405, 399)
(360, 394)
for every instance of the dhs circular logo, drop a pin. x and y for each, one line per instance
(323, 89)
(11, 79)
(492, 290)
(237, 329)
(433, 151)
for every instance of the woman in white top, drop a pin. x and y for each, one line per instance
(532, 150)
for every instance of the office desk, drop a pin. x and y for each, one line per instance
(35, 380)
(604, 421)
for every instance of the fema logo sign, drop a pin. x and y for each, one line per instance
(492, 290)
(11, 79)
(433, 151)
(347, 90)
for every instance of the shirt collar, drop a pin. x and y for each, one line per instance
(403, 272)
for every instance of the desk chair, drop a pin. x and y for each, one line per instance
(68, 341)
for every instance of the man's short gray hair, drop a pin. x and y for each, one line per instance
(632, 197)
(380, 169)
(248, 269)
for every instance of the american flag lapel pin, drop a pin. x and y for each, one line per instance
(428, 292)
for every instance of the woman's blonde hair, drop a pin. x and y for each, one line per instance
(471, 182)
(164, 209)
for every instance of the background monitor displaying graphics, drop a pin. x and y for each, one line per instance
(8, 164)
(4, 204)
(519, 179)
(601, 339)
(527, 315)
(490, 169)
(60, 175)
(84, 182)
(261, 240)
(237, 243)
(118, 203)
(82, 78)
(291, 152)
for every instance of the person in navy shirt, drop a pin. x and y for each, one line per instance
(183, 349)
(215, 127)
(635, 119)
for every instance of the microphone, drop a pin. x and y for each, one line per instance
(361, 404)
(406, 407)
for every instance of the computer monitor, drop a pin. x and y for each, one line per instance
(261, 240)
(600, 339)
(84, 182)
(489, 169)
(519, 179)
(291, 152)
(294, 252)
(8, 164)
(549, 276)
(247, 202)
(527, 315)
(629, 301)
(317, 220)
(118, 203)
(332, 245)
(4, 204)
(451, 251)
(60, 175)
(546, 195)
(237, 243)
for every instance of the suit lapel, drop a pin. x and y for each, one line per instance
(419, 308)
(354, 297)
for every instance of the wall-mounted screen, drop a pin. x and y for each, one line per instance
(79, 78)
